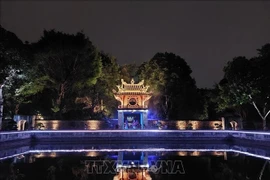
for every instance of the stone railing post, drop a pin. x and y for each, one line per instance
(223, 123)
(1, 106)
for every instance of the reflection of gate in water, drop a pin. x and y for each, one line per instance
(132, 165)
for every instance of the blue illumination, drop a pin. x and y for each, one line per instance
(138, 130)
(137, 150)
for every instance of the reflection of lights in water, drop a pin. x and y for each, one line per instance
(39, 155)
(235, 154)
(45, 154)
(132, 174)
(20, 156)
(53, 154)
(217, 153)
(195, 153)
(92, 154)
(182, 153)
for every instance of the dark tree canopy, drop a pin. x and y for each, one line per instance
(103, 103)
(11, 53)
(247, 81)
(15, 61)
(65, 76)
(63, 65)
(175, 93)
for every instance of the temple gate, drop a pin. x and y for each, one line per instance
(132, 113)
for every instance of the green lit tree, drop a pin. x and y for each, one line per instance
(14, 56)
(64, 65)
(99, 99)
(247, 81)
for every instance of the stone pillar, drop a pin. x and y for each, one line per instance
(19, 125)
(120, 119)
(141, 121)
(23, 125)
(145, 158)
(223, 123)
(1, 106)
(225, 156)
(240, 126)
(33, 123)
(120, 158)
(145, 120)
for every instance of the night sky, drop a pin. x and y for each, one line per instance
(206, 34)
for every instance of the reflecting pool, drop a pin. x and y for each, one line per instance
(132, 161)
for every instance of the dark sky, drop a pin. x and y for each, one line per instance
(206, 34)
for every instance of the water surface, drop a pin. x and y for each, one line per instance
(159, 160)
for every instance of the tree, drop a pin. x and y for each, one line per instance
(64, 65)
(13, 62)
(128, 71)
(247, 81)
(100, 99)
(174, 90)
(108, 80)
(208, 103)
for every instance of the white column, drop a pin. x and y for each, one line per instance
(19, 124)
(23, 125)
(145, 120)
(33, 126)
(223, 123)
(120, 119)
(1, 106)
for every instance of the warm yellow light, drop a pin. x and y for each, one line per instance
(181, 125)
(195, 153)
(182, 153)
(55, 125)
(92, 154)
(218, 153)
(93, 124)
(53, 154)
(141, 174)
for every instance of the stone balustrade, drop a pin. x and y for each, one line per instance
(16, 135)
(136, 135)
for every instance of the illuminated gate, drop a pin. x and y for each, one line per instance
(132, 113)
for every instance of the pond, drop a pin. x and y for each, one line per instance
(159, 160)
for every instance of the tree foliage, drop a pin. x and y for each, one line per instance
(247, 81)
(15, 61)
(63, 65)
(174, 90)
(11, 50)
(128, 71)
(103, 101)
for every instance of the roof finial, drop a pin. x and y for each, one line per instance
(132, 81)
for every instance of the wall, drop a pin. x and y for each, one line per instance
(76, 124)
(186, 124)
(111, 124)
(251, 137)
(16, 135)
